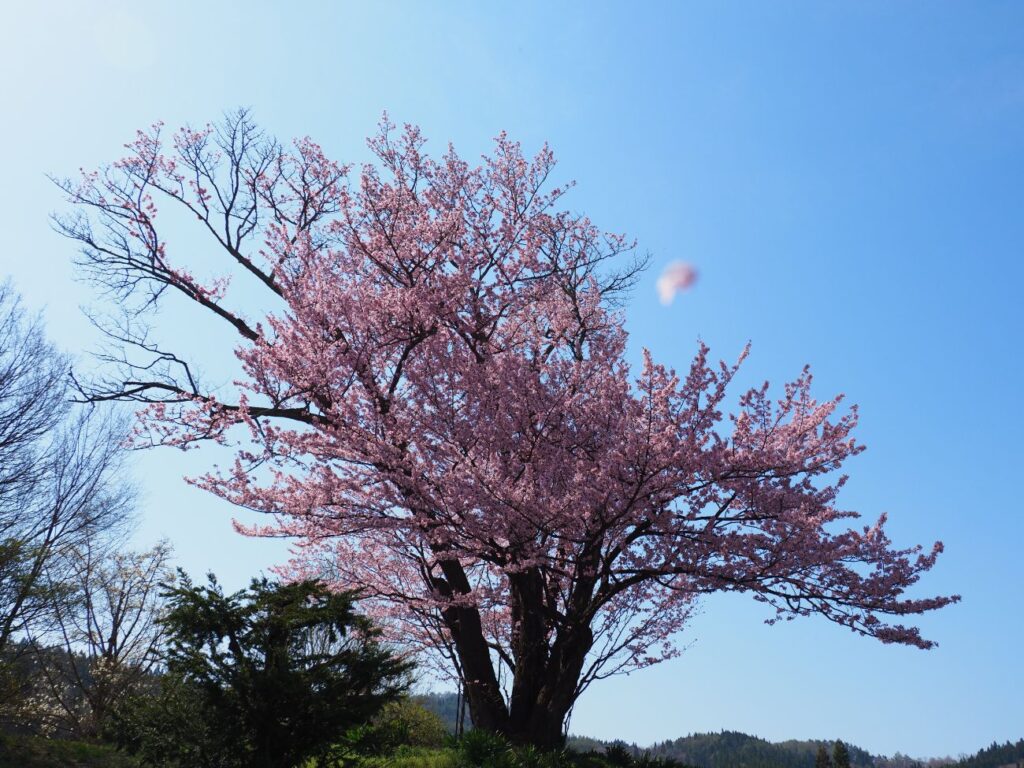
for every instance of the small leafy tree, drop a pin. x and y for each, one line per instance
(102, 636)
(272, 675)
(404, 722)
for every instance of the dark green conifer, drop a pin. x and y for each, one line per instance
(840, 755)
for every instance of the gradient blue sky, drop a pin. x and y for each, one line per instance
(847, 178)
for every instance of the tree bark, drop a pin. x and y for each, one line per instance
(546, 674)
(486, 704)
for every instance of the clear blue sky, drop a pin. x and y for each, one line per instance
(846, 176)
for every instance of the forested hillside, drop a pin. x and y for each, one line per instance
(997, 756)
(446, 706)
(730, 749)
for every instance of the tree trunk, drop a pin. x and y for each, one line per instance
(544, 727)
(486, 705)
(546, 672)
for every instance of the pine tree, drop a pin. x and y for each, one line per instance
(840, 755)
(822, 760)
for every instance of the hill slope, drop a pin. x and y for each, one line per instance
(996, 756)
(731, 749)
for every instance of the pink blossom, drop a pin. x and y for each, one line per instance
(437, 408)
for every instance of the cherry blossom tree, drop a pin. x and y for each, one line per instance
(434, 402)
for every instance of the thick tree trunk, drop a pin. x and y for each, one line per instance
(547, 669)
(486, 704)
(544, 725)
(529, 648)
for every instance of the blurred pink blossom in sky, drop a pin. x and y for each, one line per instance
(678, 276)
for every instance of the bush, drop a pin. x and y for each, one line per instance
(481, 749)
(399, 723)
(531, 757)
(404, 757)
(39, 752)
(618, 755)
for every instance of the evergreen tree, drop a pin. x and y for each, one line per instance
(267, 677)
(840, 755)
(822, 760)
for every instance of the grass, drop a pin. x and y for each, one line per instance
(475, 751)
(414, 757)
(36, 752)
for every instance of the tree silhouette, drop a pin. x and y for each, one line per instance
(840, 755)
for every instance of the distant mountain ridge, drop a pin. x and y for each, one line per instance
(732, 749)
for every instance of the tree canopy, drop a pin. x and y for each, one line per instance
(434, 401)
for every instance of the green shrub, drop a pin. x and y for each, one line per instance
(618, 755)
(531, 757)
(647, 760)
(411, 757)
(399, 723)
(481, 749)
(39, 752)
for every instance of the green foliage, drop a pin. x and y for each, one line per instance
(821, 759)
(405, 722)
(170, 728)
(264, 678)
(729, 749)
(647, 760)
(995, 756)
(618, 754)
(403, 757)
(840, 755)
(479, 749)
(38, 752)
(446, 706)
(23, 592)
